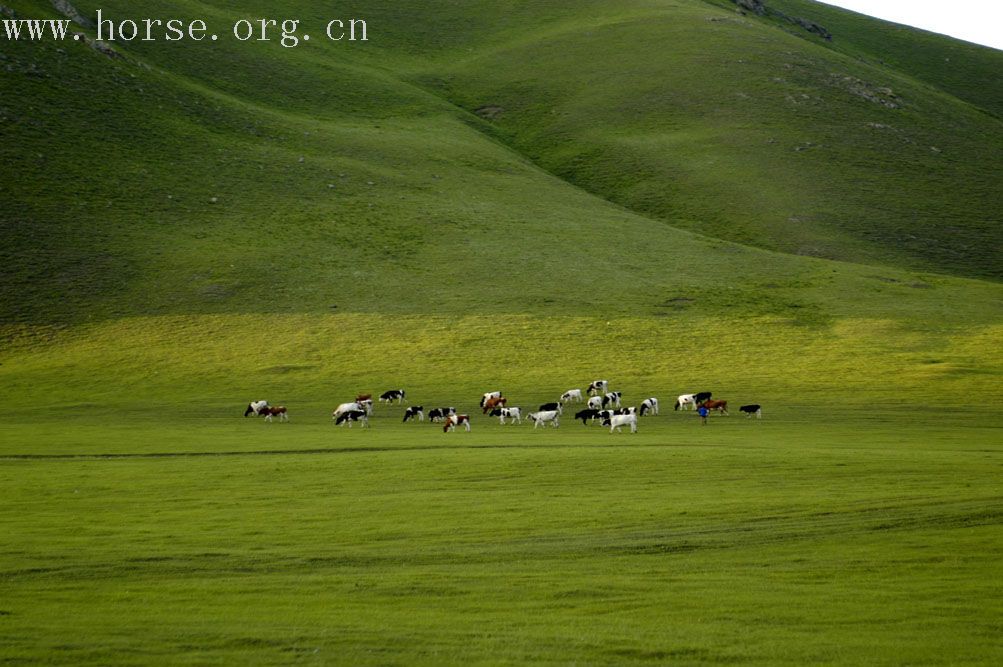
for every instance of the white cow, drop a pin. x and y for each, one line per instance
(595, 403)
(543, 417)
(347, 407)
(686, 399)
(617, 421)
(649, 405)
(572, 395)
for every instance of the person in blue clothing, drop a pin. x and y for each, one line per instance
(703, 412)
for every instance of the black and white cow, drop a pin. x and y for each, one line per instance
(440, 414)
(612, 398)
(515, 414)
(490, 394)
(392, 395)
(595, 403)
(649, 405)
(598, 387)
(353, 416)
(587, 415)
(753, 409)
(415, 411)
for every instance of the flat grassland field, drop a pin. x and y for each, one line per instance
(834, 529)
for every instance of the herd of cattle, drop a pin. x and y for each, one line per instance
(602, 406)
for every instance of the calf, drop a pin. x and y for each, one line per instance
(274, 411)
(515, 414)
(649, 405)
(353, 416)
(494, 402)
(684, 400)
(414, 411)
(549, 416)
(392, 395)
(439, 414)
(598, 387)
(617, 421)
(453, 420)
(595, 403)
(612, 398)
(547, 407)
(572, 395)
(754, 409)
(586, 415)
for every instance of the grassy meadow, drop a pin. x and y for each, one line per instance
(521, 197)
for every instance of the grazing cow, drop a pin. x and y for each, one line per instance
(453, 420)
(255, 407)
(702, 396)
(720, 406)
(551, 416)
(632, 410)
(278, 411)
(598, 387)
(345, 407)
(392, 395)
(586, 415)
(595, 402)
(363, 397)
(367, 405)
(572, 395)
(440, 414)
(353, 416)
(547, 407)
(649, 405)
(754, 409)
(605, 414)
(617, 421)
(684, 400)
(414, 411)
(494, 402)
(490, 394)
(515, 414)
(612, 398)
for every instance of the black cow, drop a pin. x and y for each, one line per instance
(753, 409)
(547, 407)
(414, 411)
(586, 415)
(701, 397)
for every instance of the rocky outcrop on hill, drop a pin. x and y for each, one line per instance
(759, 8)
(69, 11)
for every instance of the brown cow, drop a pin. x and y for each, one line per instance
(494, 402)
